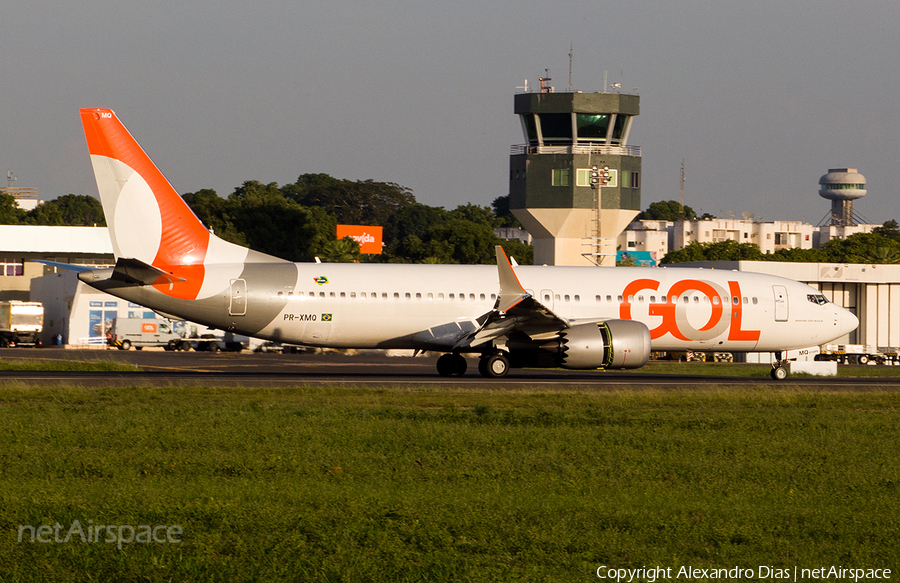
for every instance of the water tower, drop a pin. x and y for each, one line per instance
(842, 186)
(568, 135)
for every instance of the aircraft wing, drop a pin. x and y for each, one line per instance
(515, 312)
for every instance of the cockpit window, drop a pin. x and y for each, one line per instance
(817, 299)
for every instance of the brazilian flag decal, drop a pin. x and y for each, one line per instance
(326, 317)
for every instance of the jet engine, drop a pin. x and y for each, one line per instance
(610, 344)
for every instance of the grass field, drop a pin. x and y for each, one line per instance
(348, 484)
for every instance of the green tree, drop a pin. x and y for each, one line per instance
(889, 230)
(212, 210)
(504, 215)
(405, 230)
(10, 213)
(859, 248)
(721, 251)
(344, 251)
(364, 202)
(474, 213)
(667, 210)
(69, 209)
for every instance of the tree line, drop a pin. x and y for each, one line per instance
(298, 221)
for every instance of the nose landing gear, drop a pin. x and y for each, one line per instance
(779, 367)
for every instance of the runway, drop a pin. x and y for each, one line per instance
(369, 369)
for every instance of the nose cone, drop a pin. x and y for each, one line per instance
(847, 322)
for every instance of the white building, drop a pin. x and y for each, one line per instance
(663, 236)
(19, 244)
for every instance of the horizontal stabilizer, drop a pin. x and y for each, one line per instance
(66, 266)
(135, 271)
(127, 272)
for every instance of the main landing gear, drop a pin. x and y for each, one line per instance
(779, 367)
(451, 365)
(493, 366)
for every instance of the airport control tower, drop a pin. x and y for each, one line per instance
(570, 138)
(842, 186)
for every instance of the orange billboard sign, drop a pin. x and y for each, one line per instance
(368, 237)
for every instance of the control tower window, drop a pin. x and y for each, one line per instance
(530, 127)
(592, 126)
(619, 129)
(556, 127)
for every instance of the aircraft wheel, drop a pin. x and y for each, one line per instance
(451, 365)
(126, 344)
(779, 373)
(494, 366)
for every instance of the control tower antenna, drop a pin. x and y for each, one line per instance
(571, 46)
(681, 190)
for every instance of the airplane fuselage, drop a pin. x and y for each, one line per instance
(395, 306)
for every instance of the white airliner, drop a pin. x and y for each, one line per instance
(522, 316)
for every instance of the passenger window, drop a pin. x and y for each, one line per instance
(352, 295)
(567, 297)
(472, 297)
(755, 301)
(440, 296)
(596, 298)
(343, 295)
(418, 296)
(577, 298)
(430, 296)
(396, 295)
(452, 296)
(407, 295)
(481, 296)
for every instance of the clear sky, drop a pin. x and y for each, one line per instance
(758, 98)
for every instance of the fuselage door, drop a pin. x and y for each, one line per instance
(781, 303)
(238, 306)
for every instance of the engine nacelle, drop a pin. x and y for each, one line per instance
(611, 344)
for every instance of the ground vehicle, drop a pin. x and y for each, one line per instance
(141, 332)
(860, 354)
(21, 323)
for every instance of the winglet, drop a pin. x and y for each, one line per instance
(511, 290)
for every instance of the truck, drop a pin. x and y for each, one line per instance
(21, 323)
(860, 354)
(141, 332)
